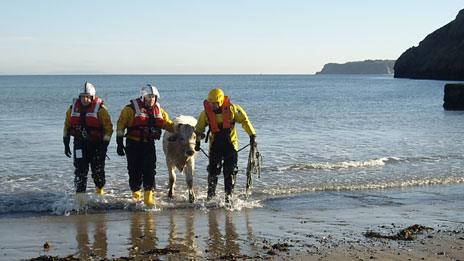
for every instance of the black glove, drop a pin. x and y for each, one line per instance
(104, 145)
(67, 150)
(120, 150)
(253, 140)
(197, 145)
(155, 133)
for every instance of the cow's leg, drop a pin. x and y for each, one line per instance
(188, 171)
(172, 180)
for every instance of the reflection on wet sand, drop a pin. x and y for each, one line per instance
(142, 233)
(219, 245)
(185, 233)
(100, 243)
(250, 236)
(186, 244)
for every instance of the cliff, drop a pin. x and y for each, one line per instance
(362, 67)
(439, 56)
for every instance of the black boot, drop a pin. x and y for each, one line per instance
(229, 182)
(212, 182)
(228, 198)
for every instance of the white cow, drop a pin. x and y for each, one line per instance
(179, 149)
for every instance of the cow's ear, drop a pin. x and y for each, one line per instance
(172, 138)
(178, 126)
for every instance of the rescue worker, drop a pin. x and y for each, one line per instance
(143, 118)
(89, 122)
(221, 116)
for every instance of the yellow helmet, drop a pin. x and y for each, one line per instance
(216, 95)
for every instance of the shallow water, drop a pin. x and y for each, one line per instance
(316, 133)
(307, 222)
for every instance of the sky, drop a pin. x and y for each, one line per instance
(209, 36)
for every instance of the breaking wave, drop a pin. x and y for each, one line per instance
(338, 165)
(284, 190)
(26, 195)
(64, 204)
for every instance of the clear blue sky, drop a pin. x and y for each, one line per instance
(209, 36)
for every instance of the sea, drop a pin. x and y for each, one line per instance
(314, 133)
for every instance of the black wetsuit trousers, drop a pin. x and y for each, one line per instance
(87, 153)
(222, 155)
(141, 164)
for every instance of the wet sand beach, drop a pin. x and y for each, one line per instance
(337, 225)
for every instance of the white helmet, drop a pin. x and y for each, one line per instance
(149, 89)
(88, 89)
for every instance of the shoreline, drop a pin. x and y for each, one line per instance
(310, 226)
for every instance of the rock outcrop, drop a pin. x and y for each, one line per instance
(361, 67)
(439, 56)
(454, 97)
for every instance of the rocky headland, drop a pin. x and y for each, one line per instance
(440, 56)
(359, 67)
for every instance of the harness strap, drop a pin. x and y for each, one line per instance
(83, 125)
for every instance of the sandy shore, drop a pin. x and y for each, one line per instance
(314, 226)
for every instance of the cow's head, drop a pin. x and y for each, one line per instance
(185, 135)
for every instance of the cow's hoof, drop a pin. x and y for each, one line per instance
(191, 197)
(170, 194)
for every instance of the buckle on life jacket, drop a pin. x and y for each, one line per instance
(84, 133)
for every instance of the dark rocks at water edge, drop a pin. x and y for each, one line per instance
(454, 97)
(361, 67)
(440, 56)
(408, 233)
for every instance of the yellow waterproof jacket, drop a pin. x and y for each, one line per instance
(103, 117)
(127, 116)
(238, 115)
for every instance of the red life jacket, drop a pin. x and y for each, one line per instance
(90, 127)
(142, 126)
(226, 115)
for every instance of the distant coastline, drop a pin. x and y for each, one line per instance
(359, 67)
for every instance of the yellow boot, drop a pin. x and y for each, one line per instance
(137, 195)
(148, 198)
(80, 200)
(100, 191)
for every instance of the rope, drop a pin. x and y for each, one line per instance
(253, 168)
(243, 148)
(206, 154)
